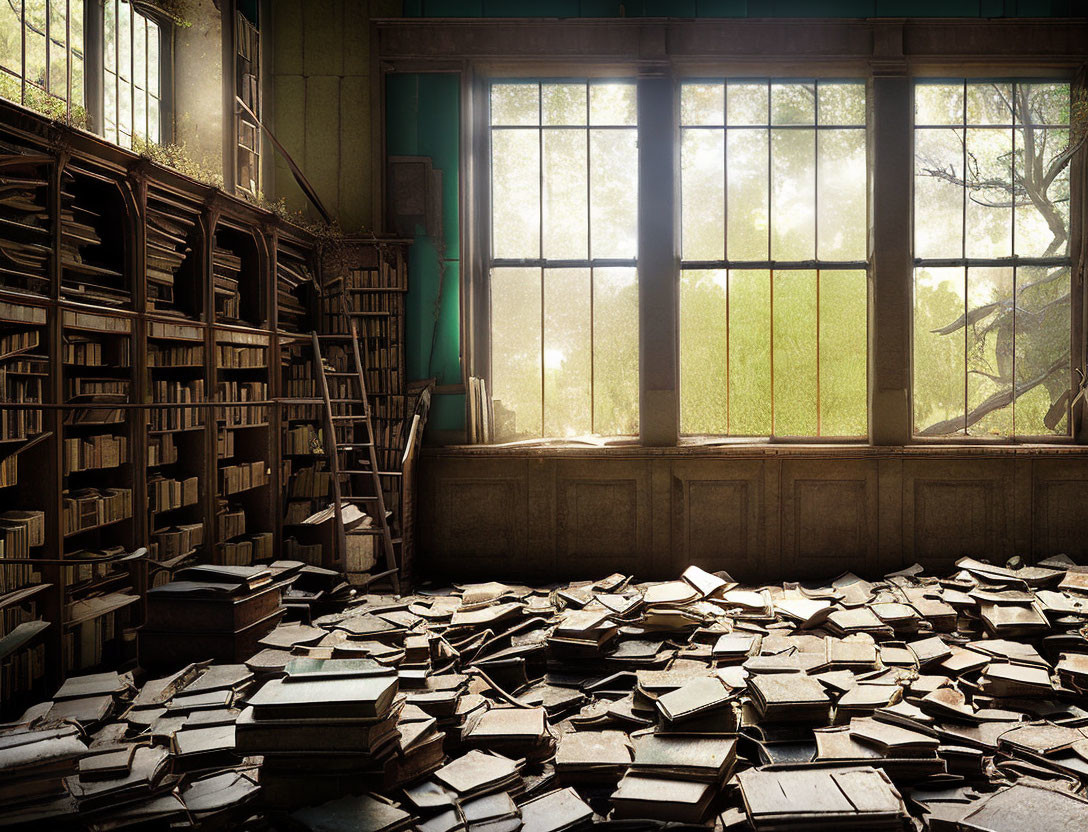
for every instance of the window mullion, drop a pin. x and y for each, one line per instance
(658, 263)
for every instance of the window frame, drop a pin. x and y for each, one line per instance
(21, 77)
(166, 72)
(475, 219)
(966, 263)
(770, 265)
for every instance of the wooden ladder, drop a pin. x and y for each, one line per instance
(366, 464)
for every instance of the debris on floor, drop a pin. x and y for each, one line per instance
(913, 702)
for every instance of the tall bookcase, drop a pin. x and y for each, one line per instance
(149, 330)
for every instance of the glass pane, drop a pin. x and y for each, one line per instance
(747, 103)
(795, 369)
(1043, 316)
(515, 193)
(124, 117)
(702, 193)
(35, 13)
(124, 40)
(11, 40)
(938, 193)
(702, 104)
(988, 230)
(704, 348)
(989, 351)
(989, 103)
(110, 105)
(1042, 103)
(139, 125)
(564, 103)
(77, 81)
(58, 23)
(842, 191)
(153, 120)
(841, 104)
(793, 103)
(615, 352)
(613, 193)
(516, 353)
(35, 58)
(613, 104)
(747, 212)
(139, 51)
(843, 353)
(750, 353)
(566, 214)
(75, 30)
(938, 104)
(58, 69)
(1042, 223)
(110, 34)
(152, 58)
(793, 194)
(567, 353)
(939, 356)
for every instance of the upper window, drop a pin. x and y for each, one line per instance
(992, 273)
(773, 300)
(131, 100)
(41, 56)
(563, 284)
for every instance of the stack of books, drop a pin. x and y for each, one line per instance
(226, 266)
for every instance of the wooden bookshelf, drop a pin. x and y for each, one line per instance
(158, 322)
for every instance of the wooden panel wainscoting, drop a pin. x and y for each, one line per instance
(758, 512)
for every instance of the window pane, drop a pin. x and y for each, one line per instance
(843, 353)
(750, 353)
(1043, 316)
(58, 69)
(1042, 224)
(613, 195)
(841, 104)
(747, 102)
(124, 40)
(153, 120)
(515, 104)
(938, 104)
(989, 103)
(939, 351)
(989, 352)
(567, 353)
(703, 352)
(152, 58)
(793, 103)
(139, 125)
(515, 193)
(110, 105)
(702, 161)
(938, 193)
(702, 104)
(110, 34)
(613, 104)
(1042, 103)
(564, 103)
(516, 352)
(139, 51)
(793, 194)
(795, 367)
(988, 230)
(75, 30)
(566, 212)
(11, 39)
(35, 56)
(615, 351)
(77, 81)
(843, 208)
(747, 212)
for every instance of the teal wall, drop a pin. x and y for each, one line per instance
(422, 118)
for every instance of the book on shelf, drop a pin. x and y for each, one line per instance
(232, 357)
(177, 540)
(175, 355)
(161, 450)
(166, 494)
(226, 266)
(25, 233)
(94, 565)
(87, 508)
(244, 552)
(230, 521)
(87, 272)
(224, 444)
(304, 440)
(168, 232)
(87, 351)
(235, 395)
(242, 477)
(176, 393)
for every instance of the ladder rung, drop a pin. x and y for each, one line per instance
(355, 417)
(341, 375)
(356, 471)
(354, 499)
(343, 445)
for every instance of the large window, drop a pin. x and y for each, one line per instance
(132, 103)
(563, 285)
(41, 56)
(992, 274)
(773, 300)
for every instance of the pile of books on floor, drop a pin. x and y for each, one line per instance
(210, 612)
(910, 702)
